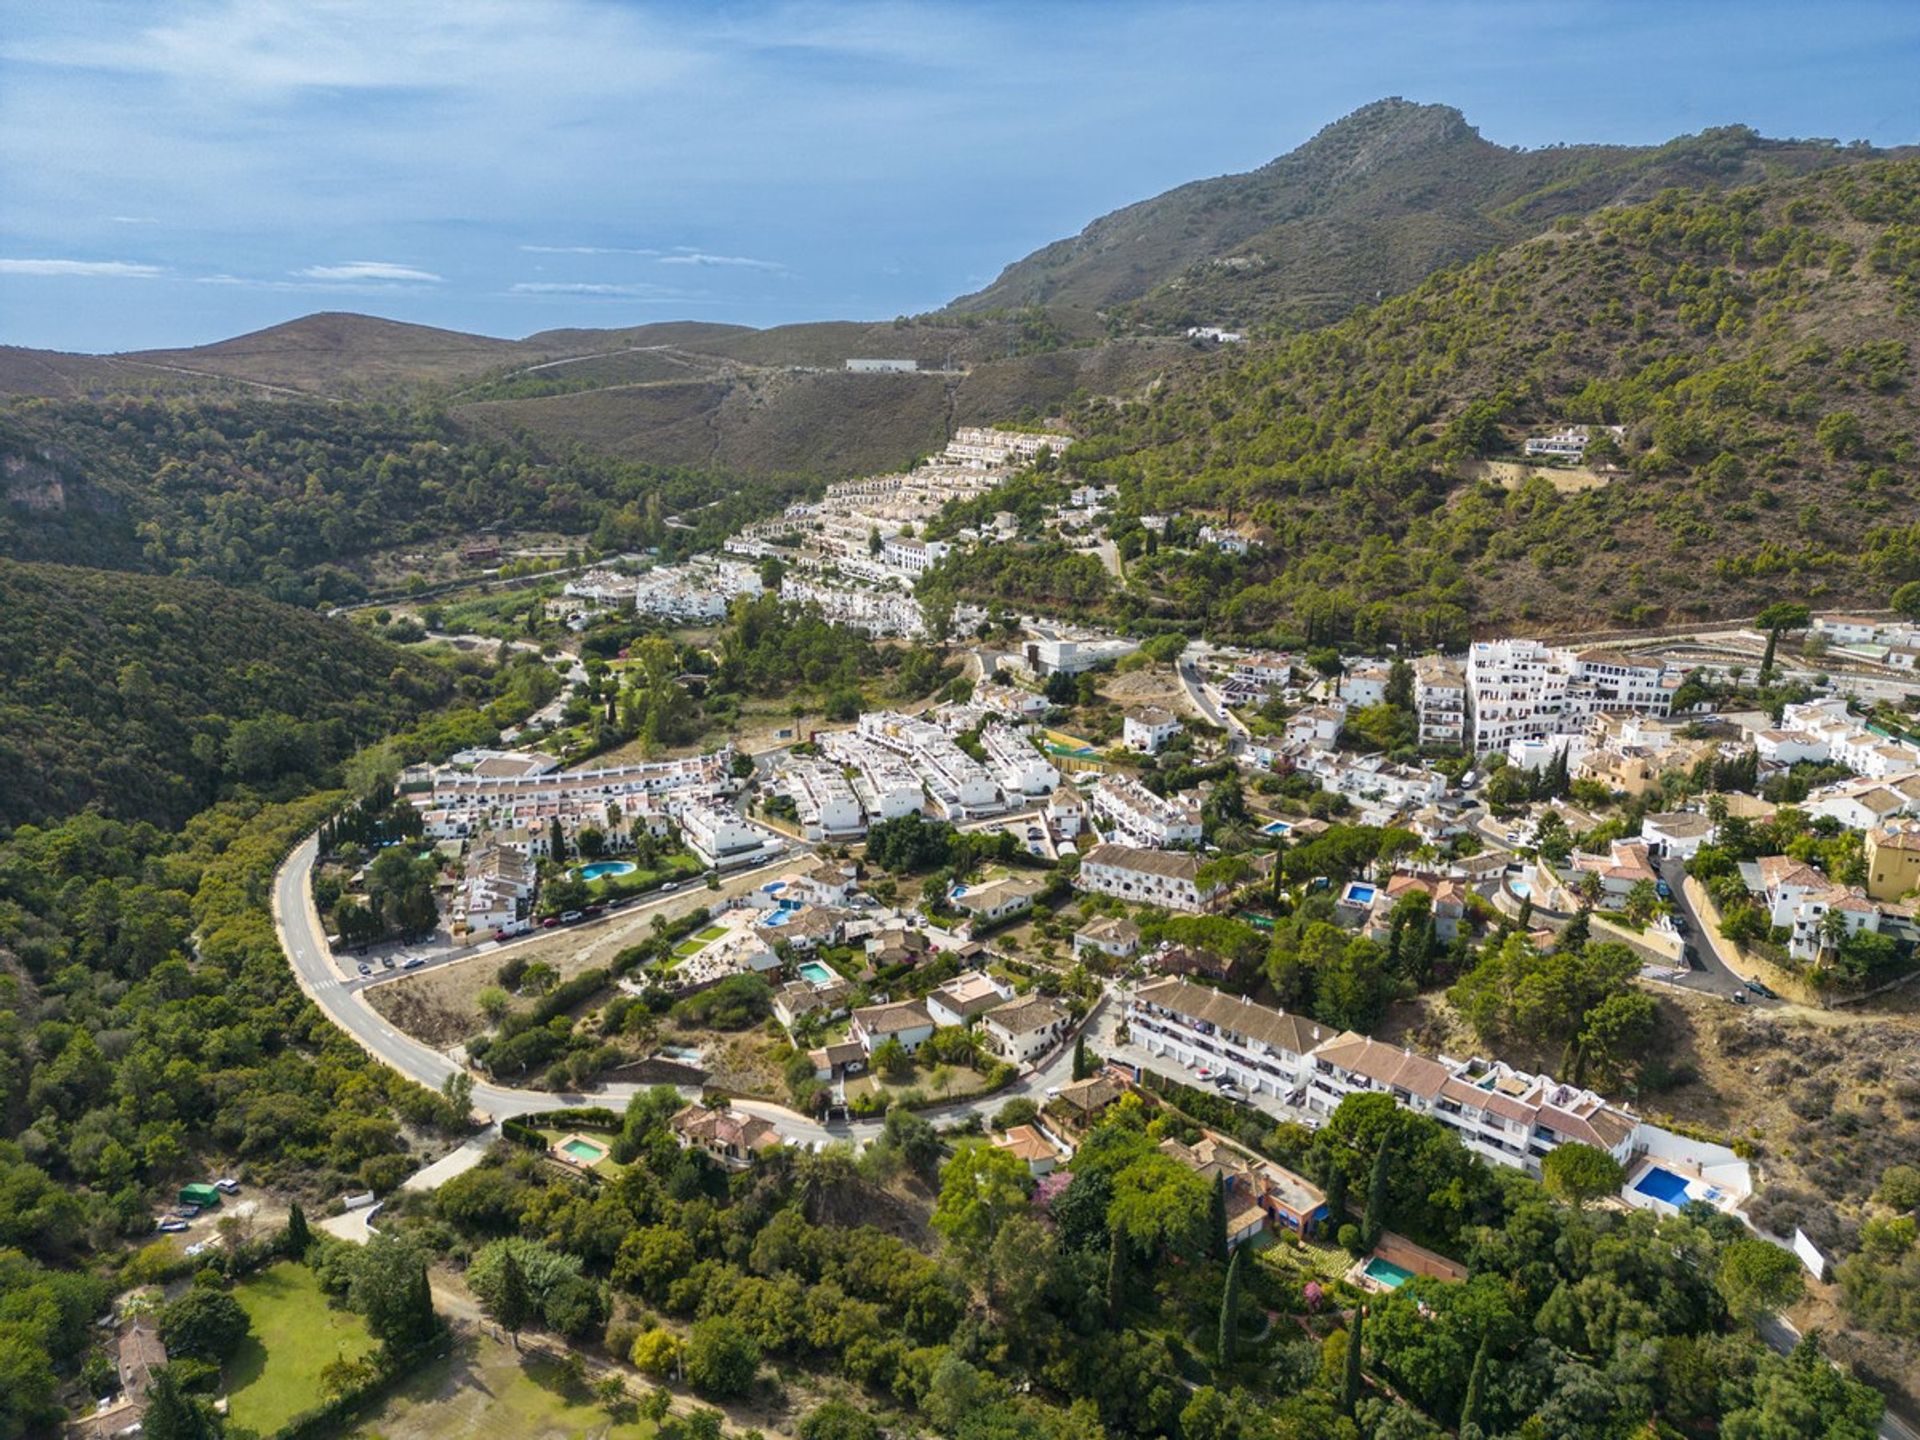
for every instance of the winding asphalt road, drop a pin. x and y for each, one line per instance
(304, 939)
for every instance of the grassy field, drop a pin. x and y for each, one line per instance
(276, 1374)
(485, 1390)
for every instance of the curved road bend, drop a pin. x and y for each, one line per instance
(304, 940)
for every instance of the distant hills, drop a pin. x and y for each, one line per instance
(1366, 209)
(1415, 298)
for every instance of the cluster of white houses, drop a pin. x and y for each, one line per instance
(1503, 1115)
(1521, 690)
(1016, 1028)
(1129, 812)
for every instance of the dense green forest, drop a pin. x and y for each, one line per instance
(143, 695)
(1756, 344)
(288, 496)
(129, 1052)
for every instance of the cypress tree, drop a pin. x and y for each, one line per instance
(421, 1321)
(513, 1307)
(299, 1237)
(1350, 1389)
(1337, 1197)
(1080, 1067)
(1229, 1342)
(1476, 1392)
(1116, 1276)
(1375, 1219)
(1218, 1221)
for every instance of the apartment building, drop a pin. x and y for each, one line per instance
(914, 557)
(1503, 1115)
(1072, 657)
(824, 799)
(1826, 724)
(1523, 690)
(721, 837)
(1020, 768)
(959, 786)
(1264, 1051)
(1253, 678)
(1861, 804)
(987, 448)
(1440, 700)
(887, 787)
(1134, 815)
(1374, 779)
(1167, 878)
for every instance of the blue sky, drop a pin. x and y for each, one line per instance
(175, 171)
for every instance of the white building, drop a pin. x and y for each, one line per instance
(1263, 1051)
(1523, 690)
(959, 786)
(1167, 878)
(966, 997)
(721, 837)
(1133, 814)
(1072, 657)
(1064, 813)
(828, 808)
(1020, 768)
(914, 557)
(886, 785)
(1440, 698)
(1570, 442)
(1365, 685)
(882, 366)
(1024, 1029)
(1146, 730)
(905, 1021)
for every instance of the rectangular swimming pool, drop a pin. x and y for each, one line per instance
(1385, 1272)
(585, 1151)
(1663, 1185)
(815, 973)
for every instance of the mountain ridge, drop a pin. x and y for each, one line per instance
(1366, 207)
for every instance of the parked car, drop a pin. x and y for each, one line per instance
(1204, 1072)
(171, 1226)
(596, 910)
(1739, 997)
(1663, 890)
(551, 922)
(671, 885)
(388, 963)
(414, 963)
(227, 1185)
(567, 917)
(500, 935)
(186, 1212)
(365, 969)
(1762, 989)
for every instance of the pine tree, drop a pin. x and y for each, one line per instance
(1228, 1345)
(513, 1306)
(1476, 1391)
(1116, 1276)
(1375, 1219)
(299, 1237)
(1350, 1389)
(1217, 1223)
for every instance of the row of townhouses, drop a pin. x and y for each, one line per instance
(1129, 812)
(1503, 1115)
(1523, 690)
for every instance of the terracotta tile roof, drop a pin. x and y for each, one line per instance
(1027, 1144)
(1385, 1064)
(1273, 1028)
(892, 1018)
(1029, 1013)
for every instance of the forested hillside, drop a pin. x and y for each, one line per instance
(1367, 208)
(1756, 344)
(289, 495)
(143, 696)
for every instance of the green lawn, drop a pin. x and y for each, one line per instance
(483, 1391)
(712, 932)
(276, 1373)
(689, 947)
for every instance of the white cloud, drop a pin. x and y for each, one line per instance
(94, 269)
(583, 287)
(700, 257)
(585, 250)
(134, 220)
(350, 270)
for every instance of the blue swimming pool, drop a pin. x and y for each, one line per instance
(1359, 894)
(1520, 888)
(1663, 1185)
(958, 891)
(1275, 827)
(817, 974)
(1387, 1274)
(777, 918)
(606, 867)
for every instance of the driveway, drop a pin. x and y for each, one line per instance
(1710, 973)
